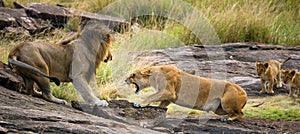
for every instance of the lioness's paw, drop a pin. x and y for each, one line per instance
(224, 119)
(136, 105)
(262, 91)
(102, 103)
(271, 92)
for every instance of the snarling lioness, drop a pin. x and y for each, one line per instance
(269, 71)
(184, 89)
(292, 79)
(75, 62)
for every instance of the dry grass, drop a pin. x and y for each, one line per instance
(269, 21)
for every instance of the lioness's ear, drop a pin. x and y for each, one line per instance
(266, 65)
(146, 72)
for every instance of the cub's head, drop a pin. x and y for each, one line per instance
(261, 67)
(287, 75)
(140, 78)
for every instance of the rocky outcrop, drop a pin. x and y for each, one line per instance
(9, 79)
(233, 62)
(37, 17)
(2, 3)
(121, 111)
(21, 113)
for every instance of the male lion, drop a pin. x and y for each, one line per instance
(292, 79)
(75, 62)
(269, 71)
(184, 89)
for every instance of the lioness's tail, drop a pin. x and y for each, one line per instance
(13, 61)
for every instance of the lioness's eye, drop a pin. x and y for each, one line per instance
(133, 75)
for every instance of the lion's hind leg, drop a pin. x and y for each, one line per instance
(44, 84)
(29, 88)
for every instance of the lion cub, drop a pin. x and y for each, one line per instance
(292, 79)
(269, 71)
(184, 89)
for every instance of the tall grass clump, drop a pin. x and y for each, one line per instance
(275, 22)
(269, 21)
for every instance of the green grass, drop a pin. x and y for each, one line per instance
(279, 107)
(275, 21)
(65, 91)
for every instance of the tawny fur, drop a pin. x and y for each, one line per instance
(292, 79)
(269, 71)
(56, 61)
(184, 89)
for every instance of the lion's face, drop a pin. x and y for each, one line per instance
(140, 78)
(261, 67)
(287, 75)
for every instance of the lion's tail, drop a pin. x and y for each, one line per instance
(13, 61)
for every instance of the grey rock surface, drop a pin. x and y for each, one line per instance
(21, 113)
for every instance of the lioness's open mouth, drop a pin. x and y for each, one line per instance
(137, 88)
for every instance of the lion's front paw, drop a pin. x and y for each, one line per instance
(102, 103)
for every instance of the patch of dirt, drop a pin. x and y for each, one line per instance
(213, 125)
(124, 111)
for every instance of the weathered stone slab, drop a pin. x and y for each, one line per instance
(2, 3)
(19, 18)
(38, 17)
(21, 113)
(9, 79)
(59, 15)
